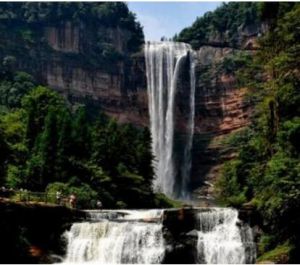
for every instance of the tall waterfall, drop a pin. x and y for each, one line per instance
(221, 240)
(120, 241)
(164, 63)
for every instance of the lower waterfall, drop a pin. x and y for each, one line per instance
(143, 236)
(221, 240)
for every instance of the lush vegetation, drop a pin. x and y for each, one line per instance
(221, 26)
(266, 172)
(47, 144)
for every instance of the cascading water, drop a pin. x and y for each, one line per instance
(144, 236)
(221, 240)
(118, 241)
(164, 61)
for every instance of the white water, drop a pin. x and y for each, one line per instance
(187, 159)
(164, 61)
(98, 215)
(220, 239)
(136, 236)
(111, 242)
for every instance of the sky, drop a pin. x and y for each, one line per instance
(167, 18)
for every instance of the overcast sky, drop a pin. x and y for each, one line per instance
(167, 18)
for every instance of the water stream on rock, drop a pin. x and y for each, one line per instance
(164, 64)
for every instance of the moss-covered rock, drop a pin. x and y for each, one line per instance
(278, 255)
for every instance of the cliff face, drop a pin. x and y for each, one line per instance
(117, 87)
(221, 106)
(63, 74)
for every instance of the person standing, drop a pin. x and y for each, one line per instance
(99, 204)
(58, 197)
(73, 200)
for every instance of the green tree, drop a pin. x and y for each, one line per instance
(42, 164)
(14, 134)
(64, 147)
(12, 89)
(81, 134)
(37, 104)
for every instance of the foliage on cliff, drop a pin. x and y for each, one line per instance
(24, 28)
(221, 27)
(266, 172)
(47, 144)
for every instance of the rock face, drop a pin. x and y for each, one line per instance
(75, 78)
(118, 88)
(221, 107)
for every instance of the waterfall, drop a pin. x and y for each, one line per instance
(164, 62)
(222, 239)
(118, 241)
(147, 236)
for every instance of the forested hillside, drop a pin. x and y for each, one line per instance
(266, 172)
